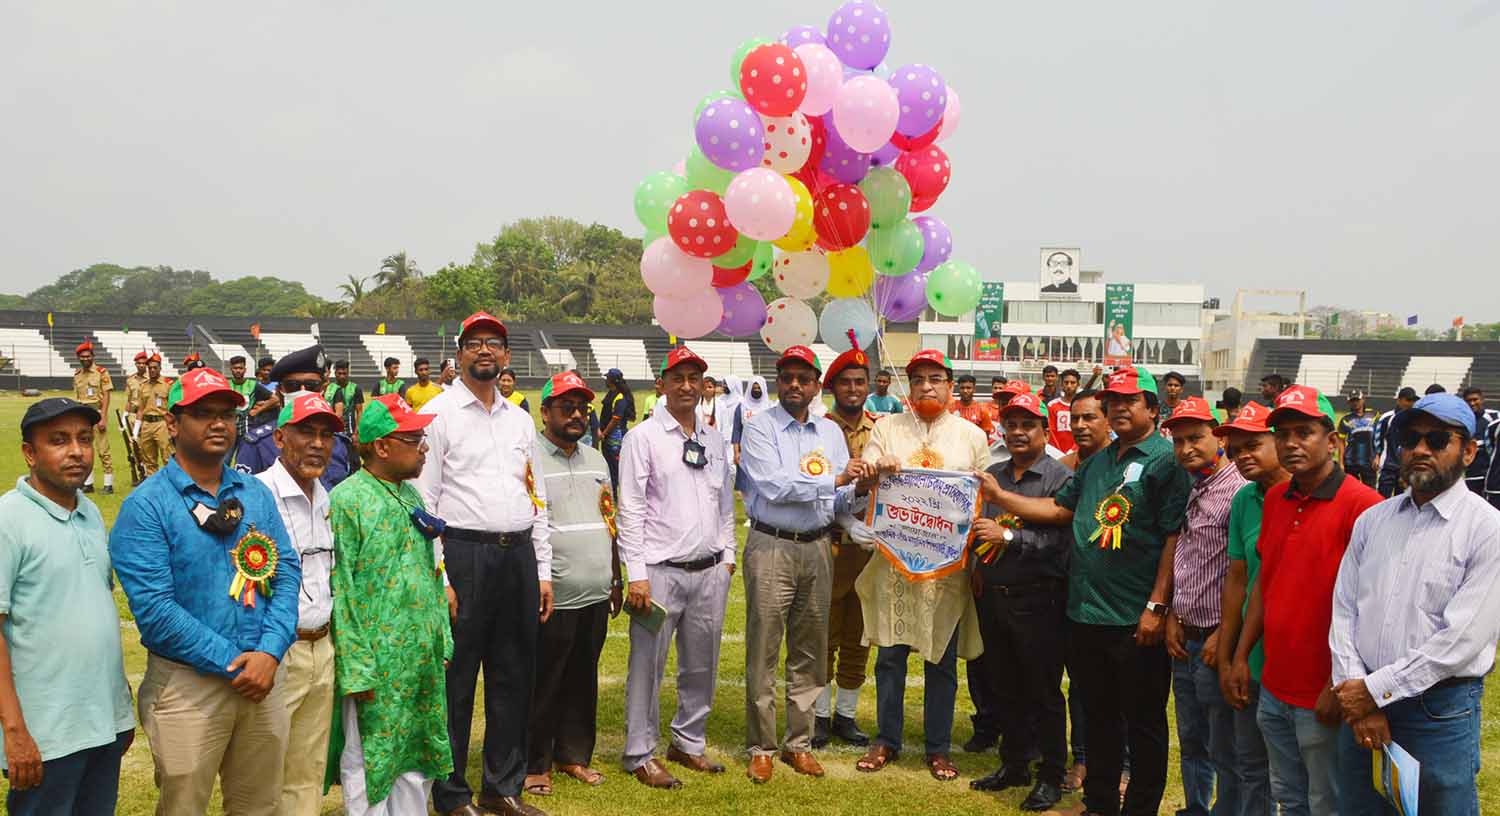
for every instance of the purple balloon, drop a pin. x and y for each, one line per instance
(923, 96)
(840, 160)
(859, 33)
(901, 299)
(937, 243)
(744, 310)
(802, 35)
(728, 133)
(886, 156)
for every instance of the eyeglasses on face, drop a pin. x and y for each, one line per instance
(408, 439)
(206, 414)
(474, 344)
(795, 378)
(918, 380)
(568, 409)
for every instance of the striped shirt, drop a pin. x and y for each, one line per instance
(582, 550)
(1202, 557)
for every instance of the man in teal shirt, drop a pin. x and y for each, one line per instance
(64, 702)
(883, 402)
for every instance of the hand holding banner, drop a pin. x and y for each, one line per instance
(922, 520)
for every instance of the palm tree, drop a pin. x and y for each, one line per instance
(396, 270)
(353, 290)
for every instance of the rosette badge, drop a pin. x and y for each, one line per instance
(1112, 515)
(255, 558)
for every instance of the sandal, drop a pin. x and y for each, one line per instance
(1073, 781)
(539, 784)
(942, 768)
(583, 773)
(875, 759)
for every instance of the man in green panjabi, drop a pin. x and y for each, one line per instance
(390, 620)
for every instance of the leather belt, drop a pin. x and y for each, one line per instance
(1016, 590)
(153, 418)
(699, 565)
(789, 535)
(512, 539)
(1198, 632)
(313, 635)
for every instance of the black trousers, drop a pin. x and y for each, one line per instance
(496, 630)
(1024, 646)
(1122, 684)
(565, 700)
(986, 716)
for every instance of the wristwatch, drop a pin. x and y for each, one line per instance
(1157, 608)
(617, 584)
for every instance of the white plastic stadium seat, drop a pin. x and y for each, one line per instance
(123, 346)
(1325, 372)
(280, 344)
(1449, 372)
(724, 357)
(32, 355)
(560, 358)
(626, 354)
(826, 354)
(228, 351)
(381, 346)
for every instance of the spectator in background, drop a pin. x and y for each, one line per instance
(1435, 388)
(1059, 413)
(390, 383)
(968, 408)
(1387, 450)
(344, 394)
(1357, 437)
(508, 390)
(1049, 384)
(883, 402)
(997, 387)
(1172, 388)
(618, 412)
(263, 368)
(708, 401)
(1486, 420)
(1228, 405)
(424, 388)
(448, 373)
(1271, 386)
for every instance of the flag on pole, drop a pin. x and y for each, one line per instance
(1458, 322)
(1333, 319)
(442, 330)
(124, 328)
(380, 329)
(1411, 320)
(190, 331)
(255, 330)
(49, 320)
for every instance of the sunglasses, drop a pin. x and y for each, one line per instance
(295, 386)
(1436, 440)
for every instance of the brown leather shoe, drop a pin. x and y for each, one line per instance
(466, 809)
(698, 762)
(802, 762)
(655, 775)
(508, 806)
(760, 769)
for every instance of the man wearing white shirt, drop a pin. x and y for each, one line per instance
(479, 479)
(305, 433)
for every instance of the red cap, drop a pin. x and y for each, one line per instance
(1252, 417)
(1130, 380)
(853, 358)
(680, 355)
(563, 383)
(200, 383)
(1025, 401)
(1195, 408)
(801, 354)
(929, 356)
(84, 346)
(479, 319)
(1016, 387)
(1301, 399)
(305, 405)
(388, 414)
(142, 357)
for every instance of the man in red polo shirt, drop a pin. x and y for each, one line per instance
(1305, 526)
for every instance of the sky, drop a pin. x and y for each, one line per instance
(1348, 148)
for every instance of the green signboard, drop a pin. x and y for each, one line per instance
(1119, 323)
(987, 321)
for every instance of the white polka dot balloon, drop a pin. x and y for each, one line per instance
(788, 142)
(789, 322)
(802, 275)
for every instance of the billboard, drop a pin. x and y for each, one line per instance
(987, 322)
(1060, 272)
(1119, 323)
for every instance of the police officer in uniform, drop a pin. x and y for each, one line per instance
(296, 372)
(92, 386)
(155, 443)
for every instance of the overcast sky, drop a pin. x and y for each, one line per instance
(1347, 147)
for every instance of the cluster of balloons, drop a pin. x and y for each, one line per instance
(813, 170)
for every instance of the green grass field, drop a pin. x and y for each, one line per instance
(904, 787)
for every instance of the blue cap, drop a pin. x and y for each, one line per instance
(614, 374)
(1445, 408)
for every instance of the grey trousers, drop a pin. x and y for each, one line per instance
(695, 614)
(788, 587)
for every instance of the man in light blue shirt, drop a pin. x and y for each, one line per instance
(64, 703)
(883, 402)
(795, 472)
(1416, 612)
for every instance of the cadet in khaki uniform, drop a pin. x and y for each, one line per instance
(91, 386)
(151, 407)
(848, 378)
(134, 382)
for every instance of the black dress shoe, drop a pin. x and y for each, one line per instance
(979, 743)
(822, 732)
(1042, 797)
(88, 488)
(508, 806)
(1006, 777)
(846, 729)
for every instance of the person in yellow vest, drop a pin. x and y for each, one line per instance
(92, 387)
(151, 406)
(507, 383)
(424, 389)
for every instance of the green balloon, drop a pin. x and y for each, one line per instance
(739, 57)
(763, 261)
(703, 174)
(889, 195)
(896, 250)
(740, 254)
(655, 195)
(953, 288)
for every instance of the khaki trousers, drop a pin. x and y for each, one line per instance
(848, 655)
(155, 445)
(307, 681)
(101, 448)
(201, 728)
(787, 586)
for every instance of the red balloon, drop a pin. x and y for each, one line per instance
(774, 80)
(927, 171)
(698, 225)
(725, 278)
(910, 143)
(841, 216)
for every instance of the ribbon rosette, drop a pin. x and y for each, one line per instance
(254, 559)
(531, 490)
(1112, 515)
(607, 509)
(988, 551)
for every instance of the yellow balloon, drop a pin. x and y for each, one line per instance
(798, 242)
(850, 272)
(801, 236)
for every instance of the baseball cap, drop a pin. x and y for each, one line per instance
(1016, 387)
(614, 374)
(53, 407)
(801, 354)
(84, 346)
(390, 414)
(1445, 408)
(1304, 400)
(929, 356)
(199, 383)
(680, 355)
(853, 358)
(303, 406)
(481, 320)
(1025, 401)
(1130, 380)
(1356, 394)
(564, 382)
(1252, 417)
(1191, 408)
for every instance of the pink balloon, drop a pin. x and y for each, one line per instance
(865, 112)
(824, 76)
(950, 115)
(692, 316)
(760, 204)
(669, 271)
